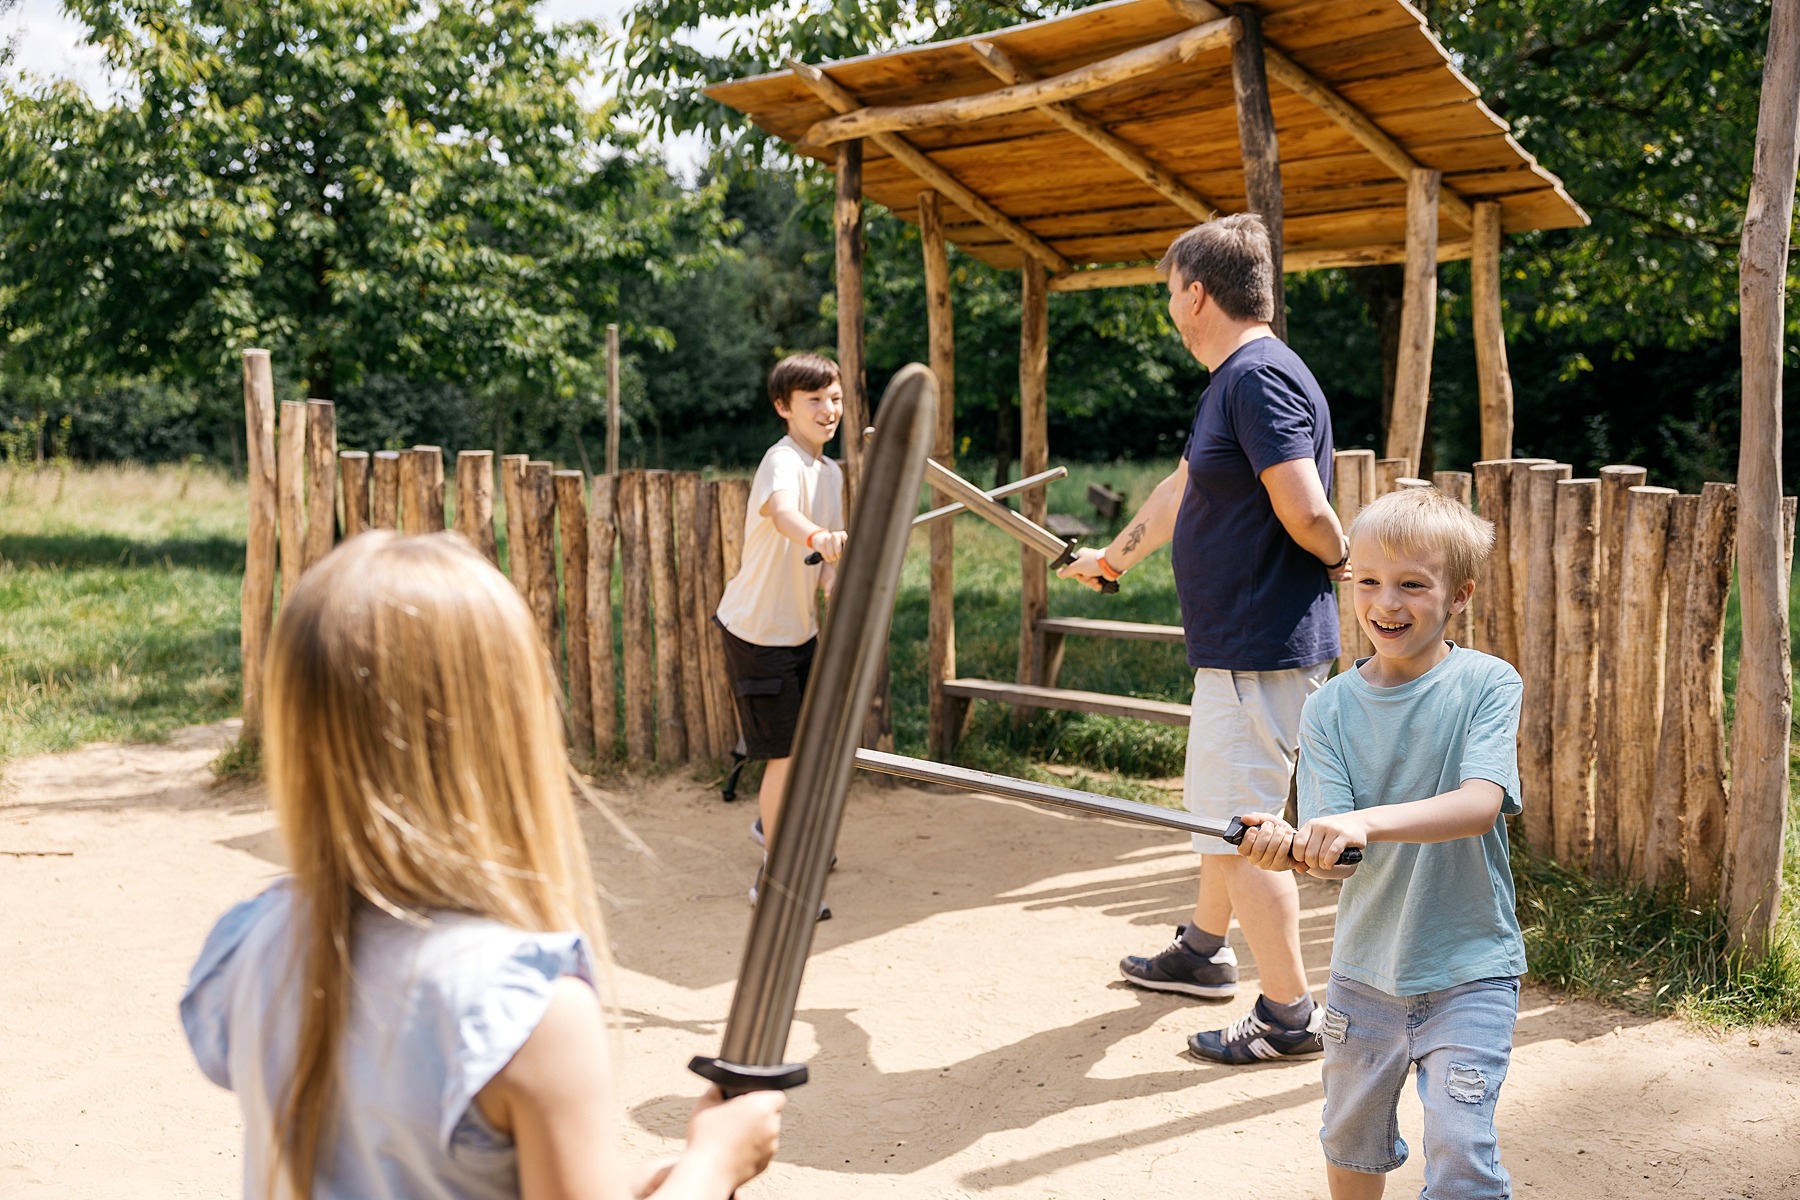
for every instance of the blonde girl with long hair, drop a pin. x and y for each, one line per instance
(412, 1013)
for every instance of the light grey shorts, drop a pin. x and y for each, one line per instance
(1243, 738)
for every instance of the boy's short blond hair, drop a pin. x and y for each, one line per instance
(1424, 519)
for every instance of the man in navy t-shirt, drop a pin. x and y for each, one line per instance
(1255, 545)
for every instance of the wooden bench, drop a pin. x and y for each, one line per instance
(1052, 630)
(960, 692)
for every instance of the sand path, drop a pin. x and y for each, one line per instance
(966, 1031)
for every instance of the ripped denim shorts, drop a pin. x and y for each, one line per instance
(1461, 1041)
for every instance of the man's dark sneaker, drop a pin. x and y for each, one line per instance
(1255, 1038)
(1179, 969)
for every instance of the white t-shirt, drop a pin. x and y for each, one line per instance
(771, 601)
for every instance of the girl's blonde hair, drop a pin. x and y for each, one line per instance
(416, 762)
(1414, 520)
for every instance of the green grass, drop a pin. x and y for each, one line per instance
(118, 604)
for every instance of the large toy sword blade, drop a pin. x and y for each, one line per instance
(831, 720)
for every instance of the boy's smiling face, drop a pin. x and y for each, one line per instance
(1403, 601)
(812, 416)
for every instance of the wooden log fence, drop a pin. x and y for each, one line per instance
(1588, 597)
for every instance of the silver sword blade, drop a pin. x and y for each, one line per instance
(831, 719)
(1019, 528)
(999, 493)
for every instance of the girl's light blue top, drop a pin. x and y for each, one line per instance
(436, 1010)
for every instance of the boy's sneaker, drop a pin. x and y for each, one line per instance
(824, 908)
(756, 835)
(1255, 1037)
(1179, 969)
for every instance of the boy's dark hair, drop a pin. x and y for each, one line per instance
(801, 373)
(1231, 259)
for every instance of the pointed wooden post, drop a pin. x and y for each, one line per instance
(1643, 625)
(1760, 735)
(475, 500)
(1418, 319)
(321, 479)
(639, 667)
(1616, 482)
(1577, 509)
(1352, 490)
(258, 595)
(1034, 456)
(290, 481)
(1663, 863)
(572, 525)
(1490, 334)
(1537, 724)
(353, 470)
(1261, 151)
(602, 536)
(940, 332)
(1705, 796)
(384, 500)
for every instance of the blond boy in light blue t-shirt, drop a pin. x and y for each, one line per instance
(1412, 757)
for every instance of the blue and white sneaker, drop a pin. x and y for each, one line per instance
(1254, 1037)
(756, 835)
(824, 908)
(1178, 969)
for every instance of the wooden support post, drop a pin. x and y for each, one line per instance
(685, 500)
(1352, 488)
(734, 503)
(1639, 666)
(572, 525)
(1518, 545)
(291, 481)
(1577, 510)
(1535, 527)
(1761, 732)
(321, 479)
(1418, 319)
(384, 501)
(671, 721)
(1388, 474)
(1261, 150)
(475, 501)
(1490, 334)
(612, 399)
(1459, 486)
(353, 469)
(1616, 482)
(1495, 633)
(847, 219)
(539, 491)
(257, 598)
(1034, 456)
(410, 504)
(634, 567)
(1663, 863)
(603, 702)
(1704, 810)
(512, 494)
(940, 330)
(428, 480)
(721, 712)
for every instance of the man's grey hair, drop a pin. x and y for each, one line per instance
(1230, 258)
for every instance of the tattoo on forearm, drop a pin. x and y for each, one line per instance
(1133, 538)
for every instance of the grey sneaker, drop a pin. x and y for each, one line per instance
(824, 908)
(756, 835)
(1178, 969)
(1254, 1037)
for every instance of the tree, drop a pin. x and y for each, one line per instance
(368, 187)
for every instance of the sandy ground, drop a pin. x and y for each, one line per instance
(962, 1016)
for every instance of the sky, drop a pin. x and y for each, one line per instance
(47, 42)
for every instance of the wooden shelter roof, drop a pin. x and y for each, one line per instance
(1360, 89)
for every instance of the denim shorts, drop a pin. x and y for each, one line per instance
(1461, 1041)
(1243, 738)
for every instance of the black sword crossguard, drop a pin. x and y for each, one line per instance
(1234, 834)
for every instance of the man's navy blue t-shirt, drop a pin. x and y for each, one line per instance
(1251, 598)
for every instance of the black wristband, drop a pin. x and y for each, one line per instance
(1340, 562)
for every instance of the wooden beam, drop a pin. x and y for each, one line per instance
(940, 332)
(1418, 319)
(847, 219)
(1490, 335)
(1090, 278)
(1096, 135)
(1261, 149)
(840, 98)
(1349, 118)
(963, 110)
(1034, 456)
(1759, 751)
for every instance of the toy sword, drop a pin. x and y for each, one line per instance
(950, 510)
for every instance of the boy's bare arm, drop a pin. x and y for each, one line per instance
(783, 510)
(1469, 811)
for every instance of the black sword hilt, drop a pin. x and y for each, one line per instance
(813, 559)
(734, 1079)
(1070, 546)
(1234, 835)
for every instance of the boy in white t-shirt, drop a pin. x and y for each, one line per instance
(770, 613)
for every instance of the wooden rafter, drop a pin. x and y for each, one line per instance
(842, 100)
(1107, 72)
(1096, 135)
(1093, 278)
(1327, 99)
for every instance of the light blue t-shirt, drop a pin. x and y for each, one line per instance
(435, 1011)
(1419, 918)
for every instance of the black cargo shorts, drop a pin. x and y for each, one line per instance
(768, 683)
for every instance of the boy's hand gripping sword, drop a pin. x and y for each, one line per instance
(831, 720)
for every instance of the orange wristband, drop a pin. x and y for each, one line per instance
(815, 533)
(1107, 569)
